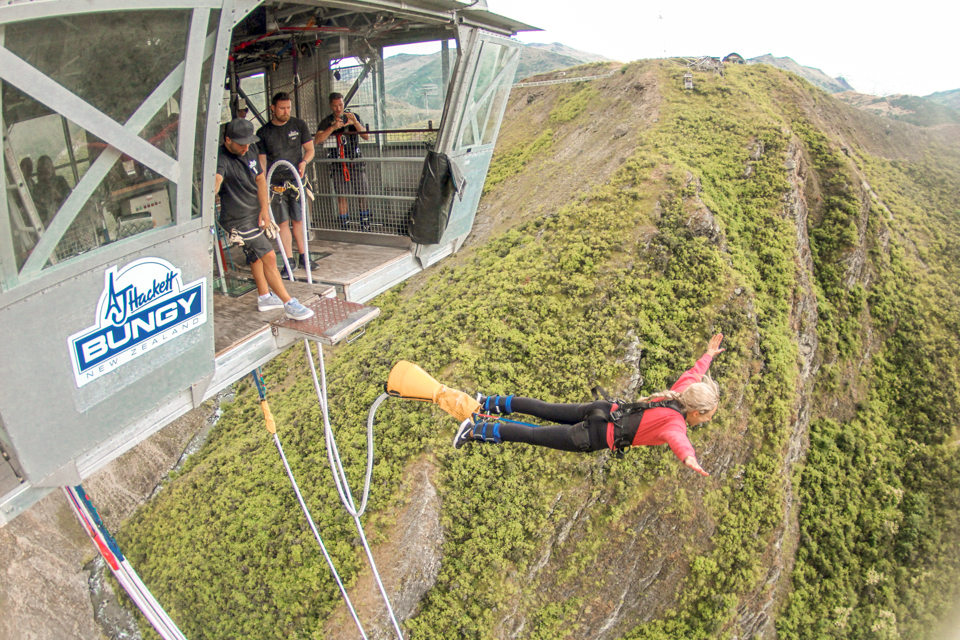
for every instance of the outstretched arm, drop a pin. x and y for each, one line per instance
(691, 461)
(713, 347)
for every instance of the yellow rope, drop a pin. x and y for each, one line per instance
(268, 416)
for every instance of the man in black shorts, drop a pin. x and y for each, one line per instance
(349, 178)
(286, 138)
(245, 216)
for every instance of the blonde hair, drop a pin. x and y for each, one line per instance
(700, 396)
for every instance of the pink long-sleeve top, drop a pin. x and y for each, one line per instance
(666, 426)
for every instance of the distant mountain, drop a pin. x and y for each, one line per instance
(814, 76)
(413, 82)
(946, 98)
(534, 61)
(570, 52)
(913, 109)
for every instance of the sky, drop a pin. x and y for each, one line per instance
(881, 48)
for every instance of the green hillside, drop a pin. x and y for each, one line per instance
(919, 111)
(625, 221)
(414, 82)
(946, 98)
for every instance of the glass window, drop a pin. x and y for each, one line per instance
(112, 60)
(69, 182)
(489, 95)
(256, 90)
(414, 83)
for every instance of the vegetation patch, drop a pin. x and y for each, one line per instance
(507, 164)
(681, 242)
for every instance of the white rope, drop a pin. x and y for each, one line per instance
(304, 213)
(336, 466)
(316, 534)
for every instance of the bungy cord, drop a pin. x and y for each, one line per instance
(272, 428)
(336, 466)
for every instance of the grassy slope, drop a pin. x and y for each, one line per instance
(226, 534)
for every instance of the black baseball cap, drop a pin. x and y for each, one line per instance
(240, 131)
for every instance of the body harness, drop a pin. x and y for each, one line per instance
(622, 436)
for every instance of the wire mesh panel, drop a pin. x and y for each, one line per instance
(374, 190)
(374, 193)
(300, 79)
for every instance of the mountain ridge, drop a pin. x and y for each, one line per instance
(813, 75)
(625, 220)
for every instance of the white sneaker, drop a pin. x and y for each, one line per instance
(296, 311)
(271, 302)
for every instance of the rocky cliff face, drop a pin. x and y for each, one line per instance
(607, 251)
(53, 588)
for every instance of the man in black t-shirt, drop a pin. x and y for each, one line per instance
(286, 138)
(245, 216)
(349, 178)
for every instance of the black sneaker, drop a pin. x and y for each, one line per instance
(301, 262)
(464, 434)
(287, 272)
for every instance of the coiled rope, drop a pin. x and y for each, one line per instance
(336, 466)
(303, 214)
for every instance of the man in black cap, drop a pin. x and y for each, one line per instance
(245, 216)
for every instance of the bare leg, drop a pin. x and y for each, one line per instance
(298, 234)
(267, 277)
(286, 238)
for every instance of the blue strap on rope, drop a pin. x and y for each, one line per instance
(496, 433)
(526, 424)
(507, 403)
(258, 380)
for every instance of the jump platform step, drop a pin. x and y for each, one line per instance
(333, 320)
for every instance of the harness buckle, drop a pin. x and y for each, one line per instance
(615, 415)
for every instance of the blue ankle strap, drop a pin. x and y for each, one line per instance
(493, 405)
(495, 432)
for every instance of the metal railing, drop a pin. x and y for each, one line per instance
(374, 193)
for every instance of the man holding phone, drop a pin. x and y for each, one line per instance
(340, 134)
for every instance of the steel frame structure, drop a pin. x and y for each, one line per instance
(116, 417)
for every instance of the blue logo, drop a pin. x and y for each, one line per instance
(143, 306)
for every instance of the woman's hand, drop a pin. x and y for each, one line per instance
(691, 461)
(713, 347)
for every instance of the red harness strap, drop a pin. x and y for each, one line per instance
(340, 148)
(610, 428)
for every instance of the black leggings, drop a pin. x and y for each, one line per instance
(559, 436)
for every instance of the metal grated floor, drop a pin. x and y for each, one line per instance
(333, 320)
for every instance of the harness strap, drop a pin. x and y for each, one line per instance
(599, 392)
(619, 438)
(342, 150)
(580, 434)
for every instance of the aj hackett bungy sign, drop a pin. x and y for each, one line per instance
(143, 306)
